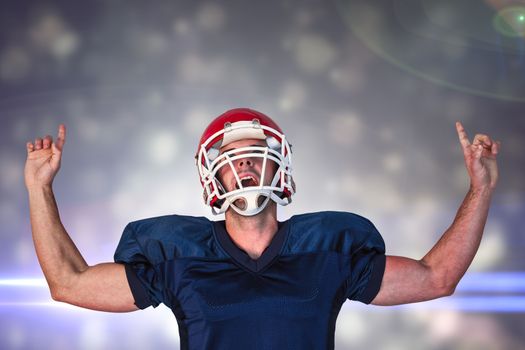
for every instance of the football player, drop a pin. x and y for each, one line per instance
(250, 281)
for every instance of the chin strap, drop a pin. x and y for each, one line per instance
(251, 201)
(247, 204)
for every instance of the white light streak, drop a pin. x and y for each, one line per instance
(500, 282)
(23, 282)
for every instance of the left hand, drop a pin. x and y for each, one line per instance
(480, 159)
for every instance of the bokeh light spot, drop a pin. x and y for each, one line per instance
(346, 128)
(510, 21)
(163, 148)
(314, 53)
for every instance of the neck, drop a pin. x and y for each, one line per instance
(252, 234)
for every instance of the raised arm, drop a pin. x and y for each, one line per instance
(439, 271)
(101, 287)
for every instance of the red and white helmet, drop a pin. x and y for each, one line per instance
(238, 124)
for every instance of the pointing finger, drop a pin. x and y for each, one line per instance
(463, 138)
(61, 138)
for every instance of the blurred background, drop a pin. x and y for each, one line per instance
(367, 93)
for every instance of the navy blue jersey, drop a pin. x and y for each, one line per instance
(288, 298)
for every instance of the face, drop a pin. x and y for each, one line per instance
(248, 169)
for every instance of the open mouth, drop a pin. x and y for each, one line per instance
(247, 181)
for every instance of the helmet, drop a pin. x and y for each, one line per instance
(246, 199)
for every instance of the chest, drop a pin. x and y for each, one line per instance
(290, 286)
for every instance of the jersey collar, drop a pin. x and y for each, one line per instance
(241, 257)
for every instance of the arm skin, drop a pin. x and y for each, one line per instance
(437, 274)
(101, 287)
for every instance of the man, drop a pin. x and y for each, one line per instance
(251, 282)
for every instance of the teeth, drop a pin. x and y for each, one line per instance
(244, 178)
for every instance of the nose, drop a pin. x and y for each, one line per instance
(244, 162)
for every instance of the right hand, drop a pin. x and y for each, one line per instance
(480, 159)
(43, 159)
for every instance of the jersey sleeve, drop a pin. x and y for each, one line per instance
(367, 260)
(144, 277)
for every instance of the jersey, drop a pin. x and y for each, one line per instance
(288, 298)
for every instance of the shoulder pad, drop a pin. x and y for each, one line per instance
(340, 232)
(162, 238)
